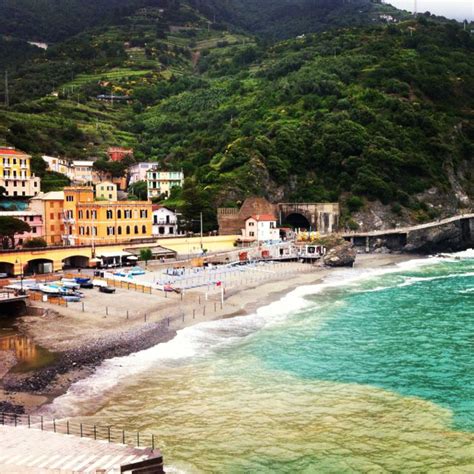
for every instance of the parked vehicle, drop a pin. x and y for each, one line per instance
(88, 285)
(106, 289)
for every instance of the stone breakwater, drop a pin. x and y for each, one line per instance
(73, 364)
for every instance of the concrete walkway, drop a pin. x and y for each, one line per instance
(24, 450)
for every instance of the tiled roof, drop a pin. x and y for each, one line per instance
(11, 151)
(263, 217)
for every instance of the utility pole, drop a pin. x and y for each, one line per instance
(7, 95)
(200, 219)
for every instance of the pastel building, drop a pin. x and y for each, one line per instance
(82, 172)
(106, 191)
(165, 221)
(160, 183)
(32, 218)
(50, 207)
(59, 165)
(15, 174)
(87, 221)
(261, 228)
(139, 171)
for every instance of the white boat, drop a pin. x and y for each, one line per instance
(51, 289)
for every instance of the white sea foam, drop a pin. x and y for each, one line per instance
(199, 340)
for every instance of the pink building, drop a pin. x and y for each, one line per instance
(32, 218)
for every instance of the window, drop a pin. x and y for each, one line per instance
(109, 214)
(60, 216)
(87, 214)
(110, 230)
(69, 198)
(94, 214)
(52, 228)
(252, 234)
(110, 196)
(94, 230)
(143, 229)
(81, 230)
(251, 224)
(128, 230)
(36, 184)
(119, 230)
(136, 229)
(80, 215)
(87, 230)
(128, 213)
(33, 230)
(143, 213)
(119, 214)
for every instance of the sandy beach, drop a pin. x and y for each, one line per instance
(128, 321)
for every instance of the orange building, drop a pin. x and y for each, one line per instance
(89, 221)
(50, 206)
(117, 153)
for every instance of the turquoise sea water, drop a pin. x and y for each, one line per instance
(367, 372)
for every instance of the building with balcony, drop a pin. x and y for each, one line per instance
(15, 174)
(50, 207)
(160, 183)
(165, 221)
(32, 218)
(88, 221)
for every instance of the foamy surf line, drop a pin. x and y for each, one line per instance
(201, 339)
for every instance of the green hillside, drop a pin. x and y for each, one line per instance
(361, 114)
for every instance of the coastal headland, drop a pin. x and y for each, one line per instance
(107, 326)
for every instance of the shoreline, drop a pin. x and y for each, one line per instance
(28, 392)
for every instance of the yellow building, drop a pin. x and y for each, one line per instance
(88, 221)
(106, 191)
(50, 206)
(15, 173)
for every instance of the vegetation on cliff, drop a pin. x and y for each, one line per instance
(380, 112)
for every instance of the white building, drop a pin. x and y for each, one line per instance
(59, 165)
(138, 172)
(165, 221)
(262, 228)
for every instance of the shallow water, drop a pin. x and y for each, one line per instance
(29, 355)
(367, 372)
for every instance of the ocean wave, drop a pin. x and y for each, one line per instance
(200, 340)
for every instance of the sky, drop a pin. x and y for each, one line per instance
(458, 9)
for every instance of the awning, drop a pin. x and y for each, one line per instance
(132, 257)
(117, 253)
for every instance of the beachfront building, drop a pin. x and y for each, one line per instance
(15, 174)
(160, 183)
(32, 218)
(138, 172)
(88, 221)
(106, 191)
(165, 221)
(50, 207)
(118, 153)
(58, 165)
(261, 228)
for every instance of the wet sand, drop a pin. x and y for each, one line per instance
(83, 339)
